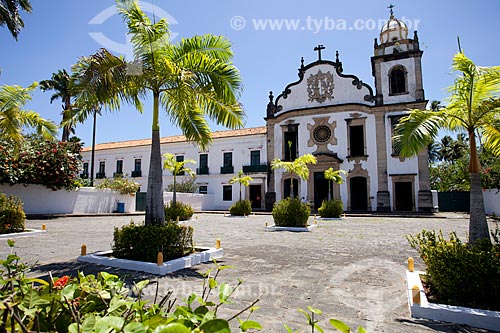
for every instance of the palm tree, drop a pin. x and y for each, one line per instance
(177, 168)
(9, 15)
(61, 84)
(191, 80)
(14, 119)
(297, 167)
(336, 176)
(242, 180)
(474, 108)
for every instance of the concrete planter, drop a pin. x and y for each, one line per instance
(455, 314)
(104, 258)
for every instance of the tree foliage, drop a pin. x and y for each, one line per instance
(10, 15)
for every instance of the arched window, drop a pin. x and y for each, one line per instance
(397, 81)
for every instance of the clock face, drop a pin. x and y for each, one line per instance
(322, 134)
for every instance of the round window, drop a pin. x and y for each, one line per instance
(322, 134)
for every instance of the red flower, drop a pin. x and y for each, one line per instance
(61, 282)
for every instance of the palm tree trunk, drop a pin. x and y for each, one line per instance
(478, 226)
(240, 191)
(155, 213)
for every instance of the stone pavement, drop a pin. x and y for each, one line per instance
(353, 269)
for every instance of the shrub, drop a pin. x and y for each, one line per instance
(11, 214)
(241, 208)
(459, 273)
(187, 185)
(331, 208)
(50, 163)
(291, 213)
(120, 185)
(143, 242)
(182, 210)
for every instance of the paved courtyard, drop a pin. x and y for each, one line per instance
(353, 269)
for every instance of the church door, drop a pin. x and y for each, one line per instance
(359, 193)
(255, 196)
(403, 196)
(320, 189)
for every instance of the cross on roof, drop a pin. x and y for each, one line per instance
(319, 48)
(391, 6)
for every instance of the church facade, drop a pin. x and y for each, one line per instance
(342, 121)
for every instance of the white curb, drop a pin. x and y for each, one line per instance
(102, 258)
(449, 313)
(293, 229)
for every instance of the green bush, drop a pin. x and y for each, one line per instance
(182, 210)
(331, 208)
(44, 162)
(120, 185)
(291, 213)
(143, 242)
(11, 214)
(459, 273)
(241, 208)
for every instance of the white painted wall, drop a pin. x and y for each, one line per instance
(385, 67)
(38, 199)
(492, 201)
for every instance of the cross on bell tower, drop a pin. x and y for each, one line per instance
(391, 11)
(319, 48)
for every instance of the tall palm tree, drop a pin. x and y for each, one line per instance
(14, 119)
(61, 84)
(241, 179)
(474, 108)
(10, 17)
(177, 168)
(190, 80)
(297, 167)
(335, 176)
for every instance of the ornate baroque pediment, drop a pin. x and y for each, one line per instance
(320, 86)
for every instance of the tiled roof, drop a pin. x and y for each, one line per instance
(177, 138)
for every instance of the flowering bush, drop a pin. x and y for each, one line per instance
(50, 163)
(11, 214)
(119, 184)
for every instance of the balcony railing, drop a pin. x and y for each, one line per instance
(202, 171)
(100, 175)
(255, 168)
(137, 173)
(227, 169)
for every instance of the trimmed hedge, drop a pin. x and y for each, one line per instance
(143, 242)
(12, 215)
(460, 273)
(241, 208)
(182, 210)
(291, 213)
(331, 209)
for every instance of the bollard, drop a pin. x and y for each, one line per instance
(266, 224)
(159, 259)
(224, 214)
(315, 221)
(44, 227)
(83, 250)
(411, 264)
(415, 295)
(217, 243)
(177, 219)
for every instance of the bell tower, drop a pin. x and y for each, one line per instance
(396, 64)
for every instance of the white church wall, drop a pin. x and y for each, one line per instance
(344, 91)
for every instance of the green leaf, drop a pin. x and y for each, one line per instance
(73, 328)
(224, 291)
(134, 327)
(40, 281)
(172, 328)
(306, 314)
(212, 283)
(68, 292)
(340, 326)
(88, 324)
(215, 326)
(140, 285)
(107, 276)
(250, 324)
(288, 329)
(362, 330)
(113, 322)
(316, 311)
(316, 326)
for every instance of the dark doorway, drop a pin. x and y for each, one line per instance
(320, 189)
(359, 193)
(256, 196)
(286, 193)
(404, 196)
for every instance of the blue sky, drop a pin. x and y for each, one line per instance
(58, 32)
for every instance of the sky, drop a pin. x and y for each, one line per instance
(268, 39)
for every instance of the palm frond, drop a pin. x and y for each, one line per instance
(417, 130)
